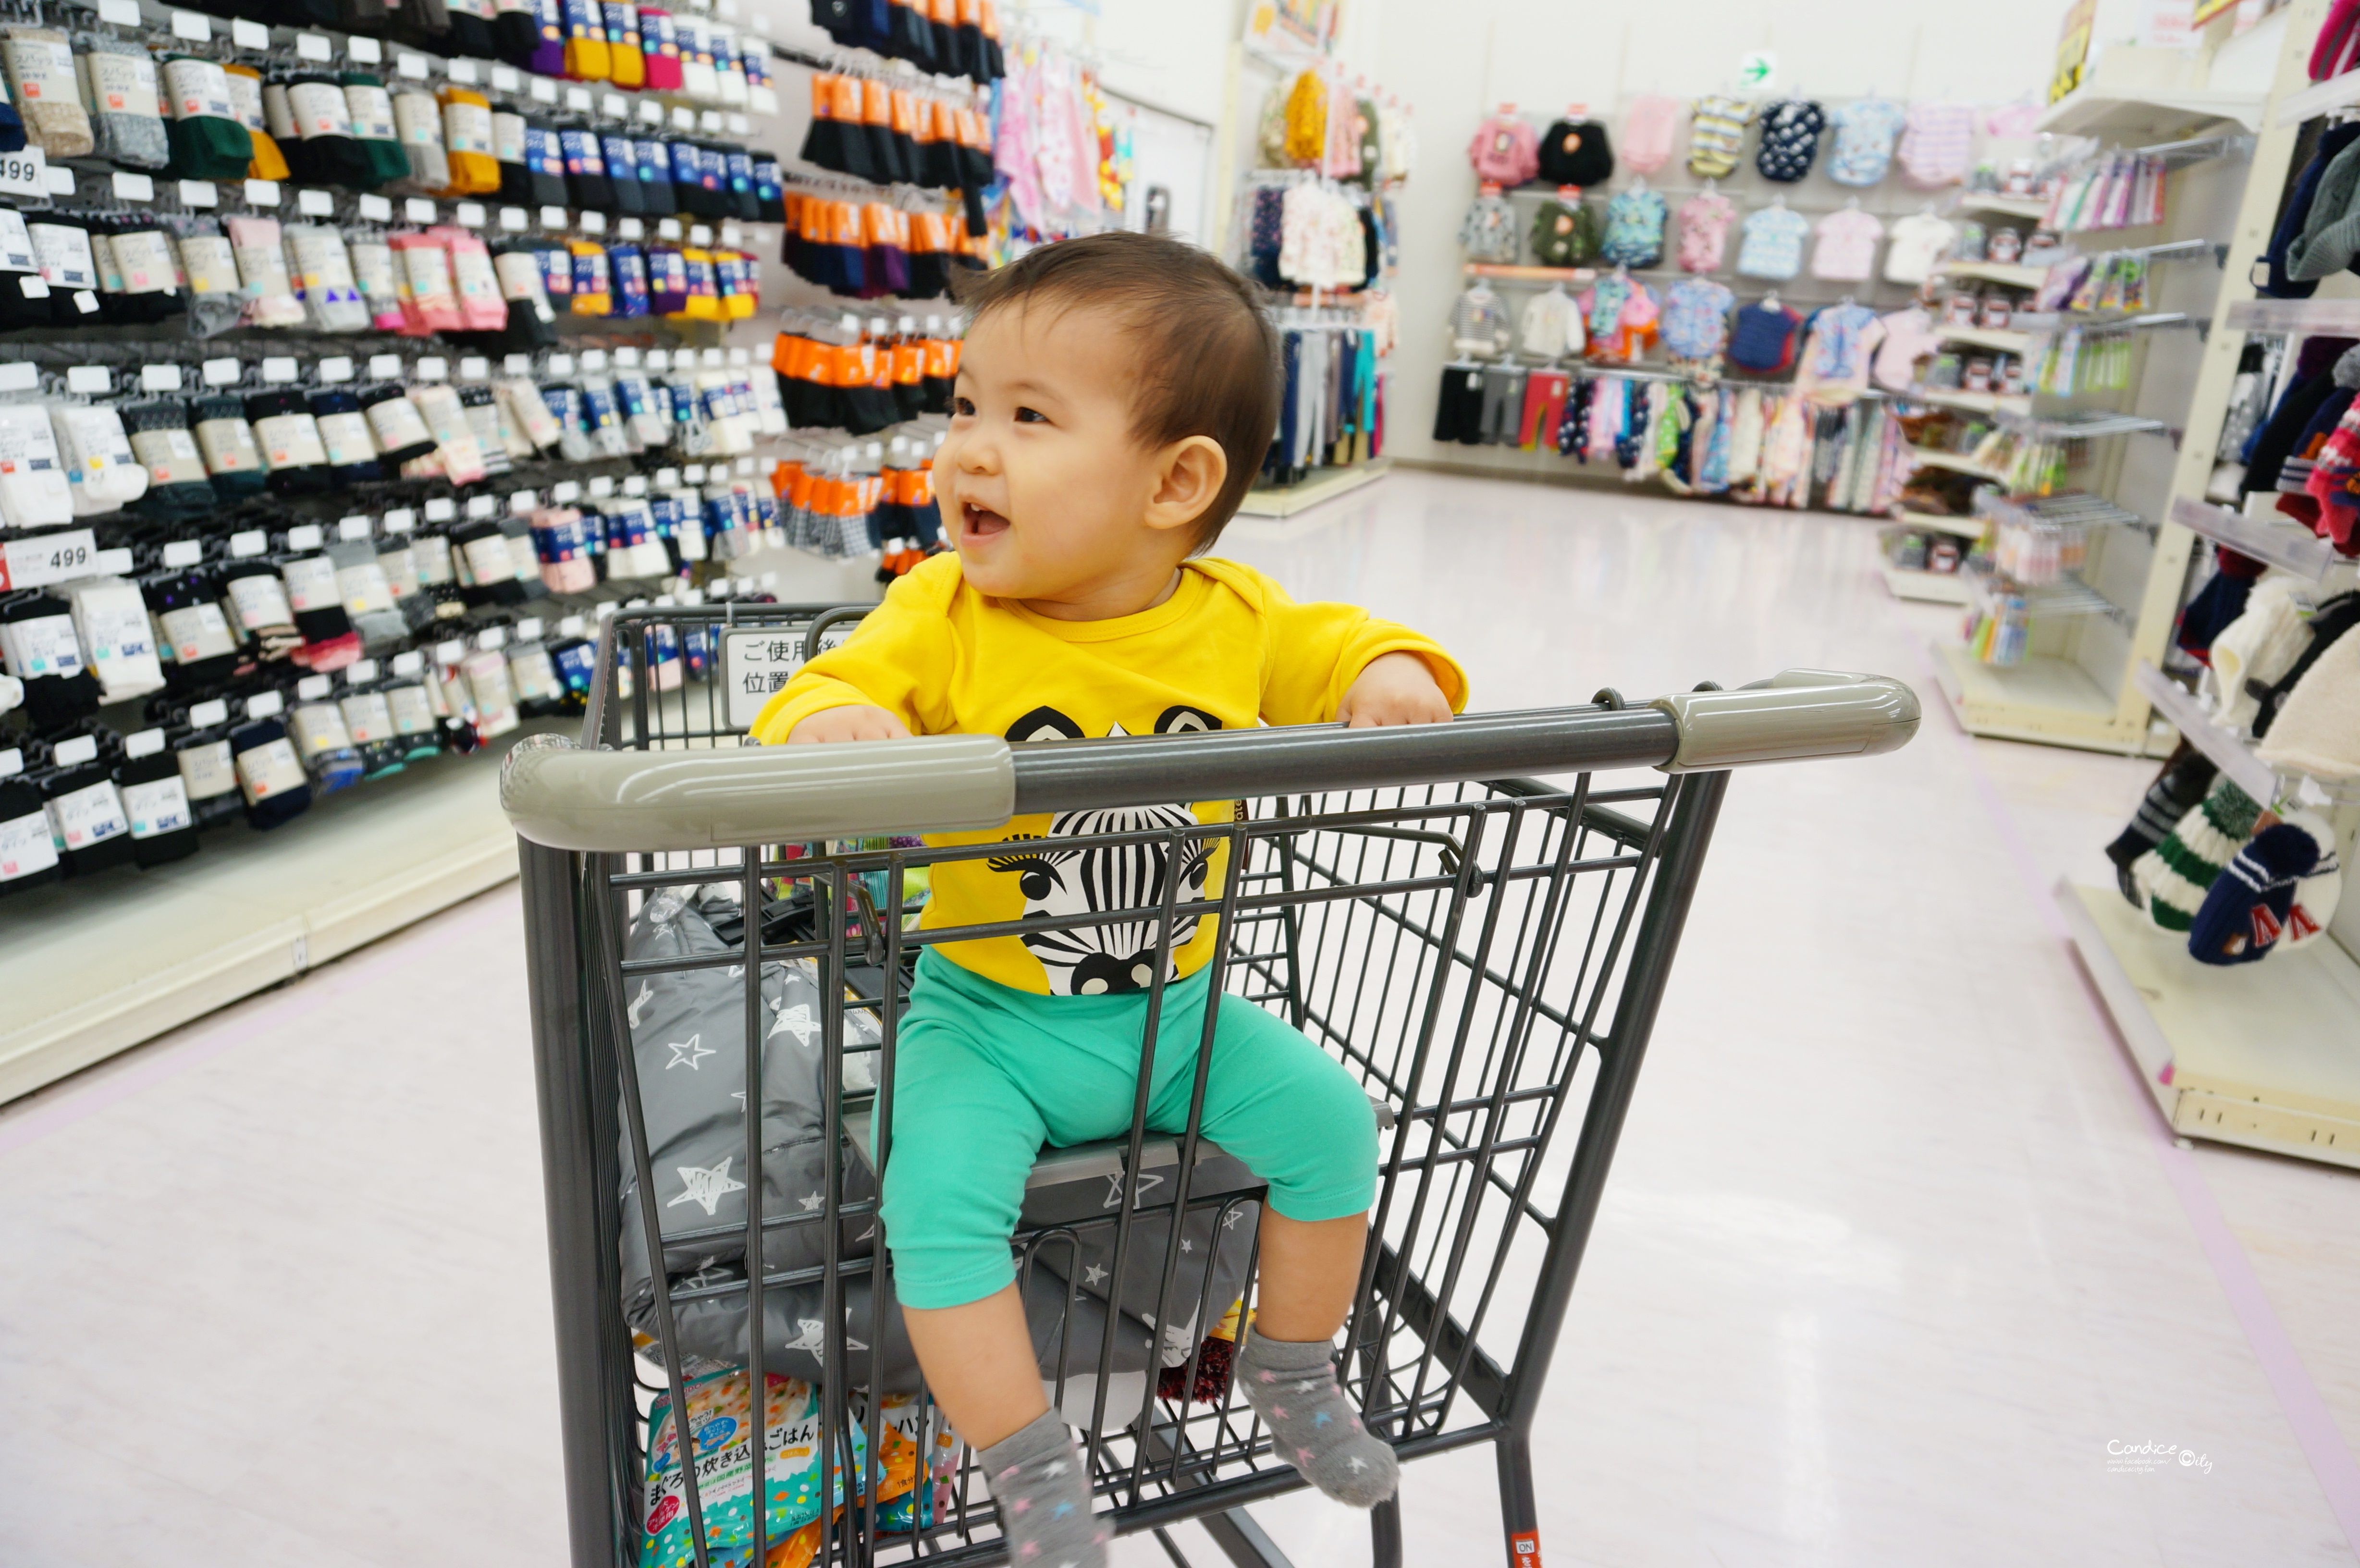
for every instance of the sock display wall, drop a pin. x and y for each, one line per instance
(351, 371)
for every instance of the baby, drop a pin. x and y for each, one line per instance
(1115, 397)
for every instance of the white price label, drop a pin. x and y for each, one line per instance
(25, 173)
(565, 493)
(47, 557)
(410, 65)
(560, 364)
(740, 125)
(119, 12)
(683, 119)
(521, 502)
(280, 368)
(93, 378)
(262, 192)
(266, 705)
(543, 90)
(593, 223)
(313, 46)
(189, 24)
(417, 209)
(160, 378)
(222, 372)
(578, 100)
(480, 507)
(615, 106)
(385, 366)
(505, 79)
(199, 193)
(475, 368)
(650, 111)
(594, 359)
(134, 187)
(461, 71)
(630, 228)
(249, 35)
(377, 209)
(552, 217)
(184, 553)
(315, 204)
(667, 228)
(364, 52)
(304, 536)
(470, 214)
(514, 218)
(601, 487)
(431, 369)
(764, 100)
(334, 369)
(634, 484)
(352, 529)
(440, 510)
(754, 665)
(401, 520)
(60, 182)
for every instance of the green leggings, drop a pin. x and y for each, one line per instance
(985, 1075)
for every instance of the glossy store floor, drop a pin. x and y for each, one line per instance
(1894, 1255)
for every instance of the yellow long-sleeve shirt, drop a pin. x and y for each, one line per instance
(1228, 648)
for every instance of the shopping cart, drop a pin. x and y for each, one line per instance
(1486, 951)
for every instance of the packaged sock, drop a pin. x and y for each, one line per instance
(28, 854)
(208, 769)
(24, 293)
(317, 600)
(530, 410)
(12, 124)
(269, 774)
(660, 50)
(626, 62)
(191, 629)
(368, 720)
(467, 142)
(602, 417)
(345, 435)
(415, 725)
(376, 128)
(163, 826)
(420, 120)
(549, 48)
(628, 266)
(564, 401)
(593, 293)
(545, 161)
(430, 299)
(316, 724)
(103, 475)
(685, 176)
(482, 308)
(471, 35)
(209, 138)
(45, 652)
(556, 263)
(562, 542)
(587, 58)
(366, 593)
(322, 271)
(586, 167)
(178, 491)
(488, 572)
(312, 123)
(622, 172)
(509, 151)
(770, 189)
(454, 441)
(374, 274)
(127, 110)
(42, 83)
(233, 458)
(260, 252)
(712, 184)
(144, 272)
(245, 87)
(653, 161)
(530, 321)
(85, 810)
(209, 267)
(69, 266)
(534, 677)
(703, 289)
(737, 170)
(516, 31)
(34, 490)
(110, 619)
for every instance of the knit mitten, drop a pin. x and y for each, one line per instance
(2173, 877)
(1291, 1384)
(1042, 1487)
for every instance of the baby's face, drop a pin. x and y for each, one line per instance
(1043, 485)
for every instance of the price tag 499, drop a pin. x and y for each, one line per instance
(25, 173)
(47, 557)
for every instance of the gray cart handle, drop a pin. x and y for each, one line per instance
(622, 803)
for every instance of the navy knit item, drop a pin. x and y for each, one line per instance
(2246, 908)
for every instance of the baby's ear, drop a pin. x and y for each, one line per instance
(1192, 471)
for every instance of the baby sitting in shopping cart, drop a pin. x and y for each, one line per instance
(1114, 401)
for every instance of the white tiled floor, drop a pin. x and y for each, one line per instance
(1891, 1250)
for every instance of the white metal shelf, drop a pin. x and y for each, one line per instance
(2032, 207)
(2293, 549)
(2235, 760)
(1993, 338)
(1957, 463)
(1964, 528)
(2318, 98)
(2007, 274)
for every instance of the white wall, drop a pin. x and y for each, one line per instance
(1455, 65)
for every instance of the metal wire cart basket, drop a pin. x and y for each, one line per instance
(1487, 952)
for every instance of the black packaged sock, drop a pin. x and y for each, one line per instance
(269, 774)
(394, 457)
(229, 484)
(45, 653)
(289, 439)
(470, 36)
(738, 164)
(323, 150)
(178, 490)
(273, 639)
(208, 776)
(83, 800)
(545, 158)
(197, 644)
(163, 827)
(27, 854)
(498, 590)
(770, 189)
(586, 167)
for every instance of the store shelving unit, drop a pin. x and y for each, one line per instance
(1995, 339)
(2029, 208)
(2075, 685)
(1928, 587)
(2003, 272)
(1957, 463)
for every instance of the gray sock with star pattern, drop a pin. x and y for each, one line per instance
(1292, 1386)
(1037, 1477)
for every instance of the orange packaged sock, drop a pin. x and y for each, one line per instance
(626, 61)
(587, 58)
(467, 143)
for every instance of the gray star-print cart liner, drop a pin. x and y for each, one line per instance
(1486, 949)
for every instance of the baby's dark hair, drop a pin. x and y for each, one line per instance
(1208, 356)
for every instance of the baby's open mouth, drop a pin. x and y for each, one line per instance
(980, 522)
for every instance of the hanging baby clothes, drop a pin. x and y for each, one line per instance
(1835, 354)
(1909, 336)
(1919, 241)
(1772, 247)
(1488, 232)
(1634, 229)
(1846, 249)
(1865, 130)
(1704, 230)
(1936, 146)
(1717, 135)
(1696, 323)
(1790, 140)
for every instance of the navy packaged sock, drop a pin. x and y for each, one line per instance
(269, 774)
(163, 828)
